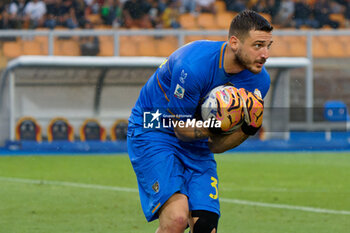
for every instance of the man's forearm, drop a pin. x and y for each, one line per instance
(191, 133)
(221, 143)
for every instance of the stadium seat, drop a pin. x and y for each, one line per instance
(66, 48)
(44, 43)
(103, 39)
(334, 47)
(57, 47)
(336, 50)
(59, 129)
(297, 45)
(12, 49)
(188, 21)
(107, 48)
(280, 47)
(338, 17)
(119, 130)
(220, 6)
(148, 47)
(128, 48)
(346, 45)
(166, 46)
(194, 38)
(216, 38)
(206, 21)
(223, 19)
(71, 47)
(336, 110)
(94, 18)
(319, 48)
(32, 47)
(103, 27)
(27, 128)
(91, 130)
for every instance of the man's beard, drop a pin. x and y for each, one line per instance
(244, 62)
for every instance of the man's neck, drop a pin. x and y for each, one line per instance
(230, 66)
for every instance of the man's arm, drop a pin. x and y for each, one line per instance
(218, 143)
(188, 134)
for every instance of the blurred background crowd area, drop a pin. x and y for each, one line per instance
(185, 14)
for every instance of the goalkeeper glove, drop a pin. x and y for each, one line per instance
(230, 109)
(253, 107)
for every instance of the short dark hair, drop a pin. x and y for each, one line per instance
(246, 21)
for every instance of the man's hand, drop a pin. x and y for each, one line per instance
(230, 111)
(253, 111)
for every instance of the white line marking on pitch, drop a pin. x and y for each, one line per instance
(71, 184)
(133, 190)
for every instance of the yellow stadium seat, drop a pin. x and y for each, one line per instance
(94, 18)
(279, 48)
(328, 39)
(319, 48)
(166, 46)
(207, 21)
(336, 50)
(193, 38)
(340, 18)
(217, 38)
(345, 43)
(124, 38)
(220, 6)
(223, 19)
(334, 46)
(128, 48)
(297, 45)
(148, 47)
(188, 21)
(106, 48)
(103, 39)
(103, 27)
(66, 48)
(32, 47)
(71, 48)
(12, 49)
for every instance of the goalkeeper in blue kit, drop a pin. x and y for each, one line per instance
(174, 161)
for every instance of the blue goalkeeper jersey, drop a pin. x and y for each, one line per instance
(182, 81)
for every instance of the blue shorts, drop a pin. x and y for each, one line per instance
(164, 165)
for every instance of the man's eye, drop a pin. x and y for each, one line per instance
(258, 46)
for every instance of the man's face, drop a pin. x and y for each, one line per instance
(253, 51)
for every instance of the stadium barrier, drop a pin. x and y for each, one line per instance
(102, 88)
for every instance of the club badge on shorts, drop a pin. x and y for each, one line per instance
(179, 92)
(155, 187)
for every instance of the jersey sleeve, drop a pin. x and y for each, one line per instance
(184, 94)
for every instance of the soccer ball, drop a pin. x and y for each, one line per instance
(223, 104)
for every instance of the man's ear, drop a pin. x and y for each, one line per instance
(234, 42)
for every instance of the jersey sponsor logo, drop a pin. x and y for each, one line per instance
(183, 76)
(179, 92)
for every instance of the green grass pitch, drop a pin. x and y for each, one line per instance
(259, 192)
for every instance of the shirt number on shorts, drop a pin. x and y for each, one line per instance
(215, 185)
